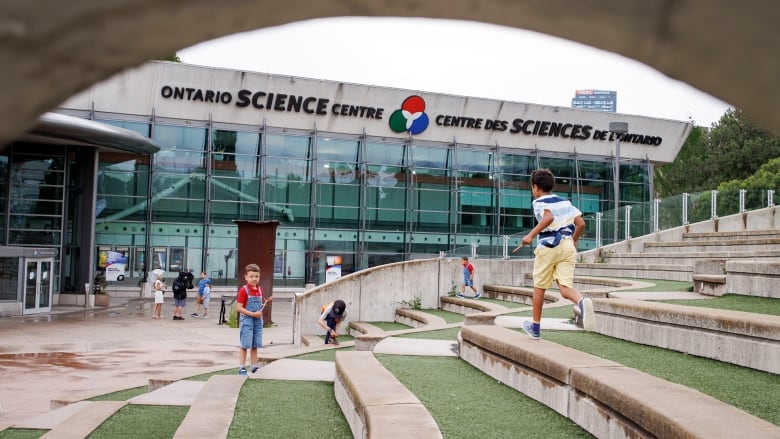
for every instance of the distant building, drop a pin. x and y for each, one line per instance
(599, 100)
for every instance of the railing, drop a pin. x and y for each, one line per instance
(639, 219)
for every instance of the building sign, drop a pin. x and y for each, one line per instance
(410, 117)
(176, 91)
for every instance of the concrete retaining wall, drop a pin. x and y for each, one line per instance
(754, 278)
(747, 339)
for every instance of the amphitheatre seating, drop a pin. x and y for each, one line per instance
(514, 294)
(375, 403)
(466, 305)
(417, 319)
(747, 339)
(603, 397)
(675, 260)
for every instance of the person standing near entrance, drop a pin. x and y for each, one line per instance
(560, 225)
(468, 278)
(201, 296)
(250, 306)
(179, 295)
(159, 286)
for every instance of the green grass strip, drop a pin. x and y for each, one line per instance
(504, 303)
(467, 403)
(662, 285)
(287, 409)
(122, 395)
(736, 302)
(751, 390)
(389, 326)
(439, 334)
(325, 355)
(22, 433)
(448, 316)
(141, 421)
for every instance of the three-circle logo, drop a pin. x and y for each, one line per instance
(411, 117)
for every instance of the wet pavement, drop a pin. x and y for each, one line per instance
(77, 351)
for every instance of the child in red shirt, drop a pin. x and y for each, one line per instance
(250, 309)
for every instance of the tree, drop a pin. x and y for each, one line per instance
(173, 58)
(734, 148)
(756, 185)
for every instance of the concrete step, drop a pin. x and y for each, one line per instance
(758, 244)
(687, 258)
(683, 273)
(722, 236)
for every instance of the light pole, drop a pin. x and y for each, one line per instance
(619, 129)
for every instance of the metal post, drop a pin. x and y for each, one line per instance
(685, 208)
(742, 193)
(474, 246)
(656, 215)
(628, 222)
(770, 198)
(618, 129)
(713, 204)
(599, 215)
(506, 246)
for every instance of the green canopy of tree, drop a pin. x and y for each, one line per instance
(732, 149)
(173, 58)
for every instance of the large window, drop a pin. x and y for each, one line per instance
(235, 176)
(36, 199)
(338, 196)
(179, 179)
(122, 187)
(515, 196)
(385, 179)
(476, 197)
(287, 176)
(432, 198)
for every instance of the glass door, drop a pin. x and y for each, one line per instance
(37, 285)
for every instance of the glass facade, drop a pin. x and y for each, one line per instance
(368, 201)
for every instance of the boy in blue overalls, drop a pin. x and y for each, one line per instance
(250, 309)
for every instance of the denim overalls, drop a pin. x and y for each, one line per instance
(252, 328)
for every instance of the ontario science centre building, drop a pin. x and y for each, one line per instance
(356, 176)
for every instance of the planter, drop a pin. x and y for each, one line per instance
(101, 299)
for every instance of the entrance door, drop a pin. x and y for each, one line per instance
(37, 285)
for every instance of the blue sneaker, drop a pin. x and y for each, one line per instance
(254, 369)
(460, 295)
(532, 329)
(242, 371)
(478, 296)
(586, 314)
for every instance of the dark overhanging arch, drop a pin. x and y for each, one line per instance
(52, 50)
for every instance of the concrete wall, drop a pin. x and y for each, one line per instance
(754, 278)
(374, 294)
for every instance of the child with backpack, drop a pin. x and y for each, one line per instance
(179, 295)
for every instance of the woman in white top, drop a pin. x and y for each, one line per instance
(159, 285)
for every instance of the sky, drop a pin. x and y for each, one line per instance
(459, 58)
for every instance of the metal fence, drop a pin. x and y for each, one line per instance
(604, 228)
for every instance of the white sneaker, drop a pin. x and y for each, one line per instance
(588, 316)
(206, 316)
